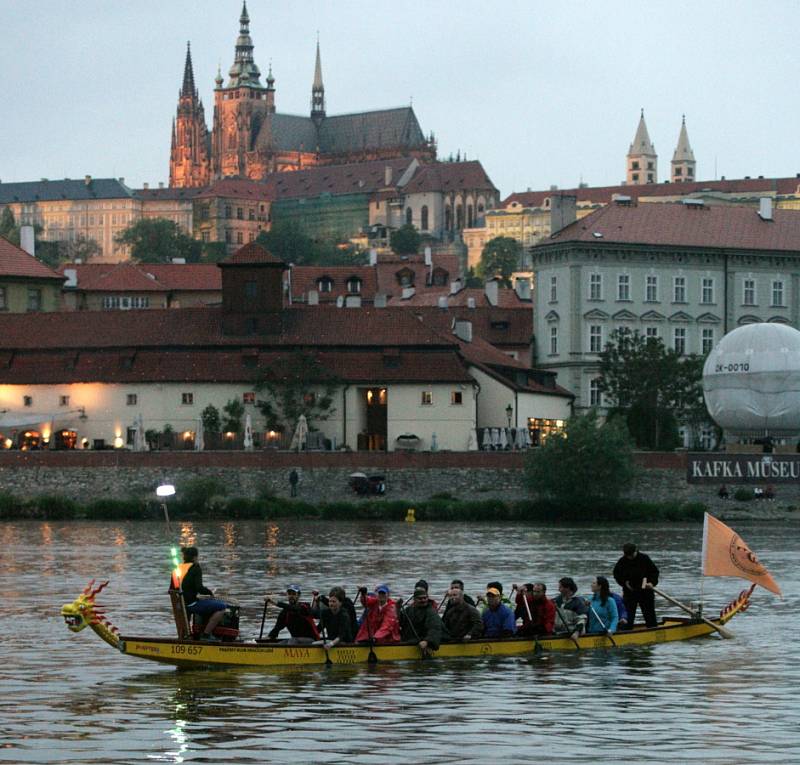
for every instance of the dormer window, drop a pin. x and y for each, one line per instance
(405, 277)
(440, 277)
(325, 284)
(354, 285)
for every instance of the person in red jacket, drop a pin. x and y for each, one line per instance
(379, 623)
(537, 611)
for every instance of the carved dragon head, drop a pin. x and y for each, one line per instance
(84, 612)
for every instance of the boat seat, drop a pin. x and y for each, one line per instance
(179, 613)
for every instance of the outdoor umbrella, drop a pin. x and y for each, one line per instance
(248, 433)
(503, 439)
(199, 440)
(486, 440)
(300, 434)
(472, 441)
(139, 441)
(495, 438)
(434, 442)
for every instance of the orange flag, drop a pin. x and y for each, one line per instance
(726, 554)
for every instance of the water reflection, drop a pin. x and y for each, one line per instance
(679, 702)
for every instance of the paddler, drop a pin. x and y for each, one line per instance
(294, 616)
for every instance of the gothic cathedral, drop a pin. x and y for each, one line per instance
(249, 139)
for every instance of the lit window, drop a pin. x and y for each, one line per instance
(427, 398)
(131, 399)
(187, 399)
(623, 287)
(456, 398)
(651, 289)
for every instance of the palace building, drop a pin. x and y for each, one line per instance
(249, 138)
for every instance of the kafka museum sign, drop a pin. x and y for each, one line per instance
(742, 468)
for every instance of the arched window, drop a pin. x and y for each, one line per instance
(409, 216)
(448, 219)
(424, 218)
(470, 216)
(325, 284)
(459, 217)
(354, 285)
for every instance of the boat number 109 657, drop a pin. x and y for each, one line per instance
(743, 366)
(189, 650)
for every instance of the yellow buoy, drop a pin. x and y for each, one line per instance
(411, 515)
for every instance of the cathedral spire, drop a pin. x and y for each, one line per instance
(642, 159)
(188, 88)
(244, 71)
(318, 90)
(683, 162)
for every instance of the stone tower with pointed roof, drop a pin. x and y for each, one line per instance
(642, 161)
(683, 163)
(317, 92)
(249, 139)
(190, 154)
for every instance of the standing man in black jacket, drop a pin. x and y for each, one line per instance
(637, 575)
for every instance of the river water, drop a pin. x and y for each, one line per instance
(70, 698)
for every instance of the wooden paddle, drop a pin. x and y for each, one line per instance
(606, 632)
(727, 634)
(316, 600)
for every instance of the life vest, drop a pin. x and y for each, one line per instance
(178, 574)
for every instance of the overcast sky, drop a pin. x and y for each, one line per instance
(541, 92)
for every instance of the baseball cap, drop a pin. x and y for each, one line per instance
(493, 591)
(382, 588)
(293, 588)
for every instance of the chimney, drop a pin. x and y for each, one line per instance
(87, 179)
(373, 257)
(121, 180)
(387, 175)
(523, 289)
(379, 300)
(563, 211)
(463, 330)
(26, 240)
(428, 259)
(408, 292)
(72, 277)
(313, 297)
(470, 302)
(492, 289)
(765, 208)
(145, 186)
(352, 301)
(455, 287)
(442, 302)
(161, 184)
(340, 301)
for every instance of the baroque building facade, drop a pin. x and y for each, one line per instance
(250, 139)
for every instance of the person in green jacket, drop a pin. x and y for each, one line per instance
(420, 623)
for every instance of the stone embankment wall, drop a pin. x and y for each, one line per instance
(85, 476)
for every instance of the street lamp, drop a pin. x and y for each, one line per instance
(509, 412)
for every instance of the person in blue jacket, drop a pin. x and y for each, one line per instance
(603, 614)
(498, 618)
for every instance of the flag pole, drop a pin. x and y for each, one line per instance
(703, 560)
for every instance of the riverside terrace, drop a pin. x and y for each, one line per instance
(97, 378)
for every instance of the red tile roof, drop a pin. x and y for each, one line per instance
(252, 253)
(15, 262)
(450, 176)
(506, 298)
(306, 278)
(604, 194)
(172, 193)
(487, 322)
(684, 225)
(189, 277)
(237, 188)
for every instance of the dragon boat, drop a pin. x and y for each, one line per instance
(187, 651)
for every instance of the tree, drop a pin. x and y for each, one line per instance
(405, 240)
(473, 280)
(287, 240)
(653, 386)
(234, 411)
(588, 464)
(8, 226)
(211, 419)
(80, 247)
(158, 240)
(297, 384)
(500, 258)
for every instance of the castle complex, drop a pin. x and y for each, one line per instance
(250, 139)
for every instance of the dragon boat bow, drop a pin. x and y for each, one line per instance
(85, 612)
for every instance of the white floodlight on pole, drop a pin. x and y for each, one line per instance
(165, 490)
